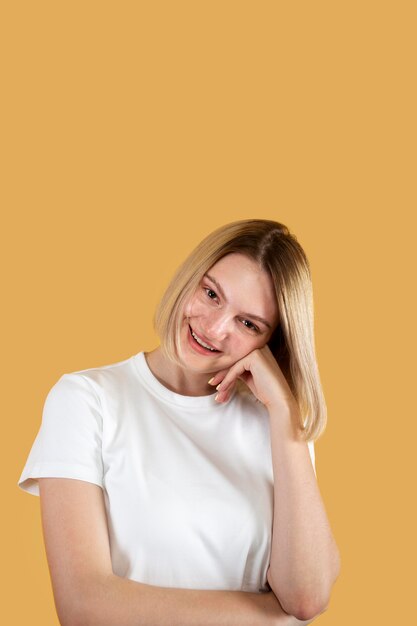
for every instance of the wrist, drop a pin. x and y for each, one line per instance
(286, 418)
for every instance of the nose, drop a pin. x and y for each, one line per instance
(217, 326)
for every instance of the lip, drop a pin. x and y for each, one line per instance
(196, 345)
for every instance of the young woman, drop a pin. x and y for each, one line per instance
(178, 486)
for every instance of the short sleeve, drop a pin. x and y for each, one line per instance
(69, 441)
(312, 455)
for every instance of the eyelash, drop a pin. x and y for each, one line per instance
(253, 328)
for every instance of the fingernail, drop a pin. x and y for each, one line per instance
(217, 388)
(216, 396)
(211, 380)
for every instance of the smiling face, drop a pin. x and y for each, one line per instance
(233, 310)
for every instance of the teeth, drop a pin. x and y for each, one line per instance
(202, 342)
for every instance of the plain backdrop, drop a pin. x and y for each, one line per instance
(130, 130)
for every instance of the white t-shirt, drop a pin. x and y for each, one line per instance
(187, 482)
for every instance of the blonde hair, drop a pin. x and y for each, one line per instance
(278, 252)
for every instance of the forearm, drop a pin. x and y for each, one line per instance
(304, 557)
(121, 601)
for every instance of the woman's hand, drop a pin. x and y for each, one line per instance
(260, 371)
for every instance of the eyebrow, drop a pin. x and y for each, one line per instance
(250, 315)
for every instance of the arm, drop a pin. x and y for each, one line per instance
(87, 593)
(305, 561)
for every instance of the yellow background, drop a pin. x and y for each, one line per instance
(130, 130)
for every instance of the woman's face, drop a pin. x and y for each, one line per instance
(225, 313)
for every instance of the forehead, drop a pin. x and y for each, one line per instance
(246, 284)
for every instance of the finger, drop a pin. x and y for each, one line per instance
(224, 396)
(231, 376)
(218, 377)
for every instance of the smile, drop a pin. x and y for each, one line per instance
(201, 342)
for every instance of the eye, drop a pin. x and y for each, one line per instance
(252, 326)
(207, 289)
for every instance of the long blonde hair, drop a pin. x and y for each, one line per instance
(278, 252)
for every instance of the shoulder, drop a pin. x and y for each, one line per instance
(96, 380)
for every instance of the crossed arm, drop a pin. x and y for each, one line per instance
(87, 593)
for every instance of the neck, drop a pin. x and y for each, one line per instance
(178, 379)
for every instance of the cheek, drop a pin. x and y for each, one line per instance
(191, 308)
(254, 343)
(187, 309)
